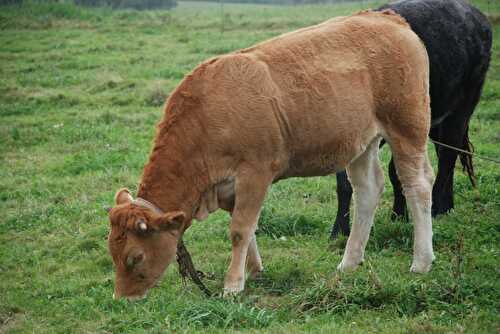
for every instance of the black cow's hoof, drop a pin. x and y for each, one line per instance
(400, 216)
(340, 228)
(436, 211)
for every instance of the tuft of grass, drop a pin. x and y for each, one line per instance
(367, 290)
(225, 315)
(156, 96)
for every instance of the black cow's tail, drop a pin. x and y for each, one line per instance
(466, 159)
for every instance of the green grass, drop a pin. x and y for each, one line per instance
(80, 93)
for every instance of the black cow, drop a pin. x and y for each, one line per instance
(458, 39)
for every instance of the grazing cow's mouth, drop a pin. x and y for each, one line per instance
(139, 296)
(130, 298)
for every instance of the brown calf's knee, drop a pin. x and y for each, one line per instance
(236, 238)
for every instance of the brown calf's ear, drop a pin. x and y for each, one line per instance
(172, 221)
(123, 196)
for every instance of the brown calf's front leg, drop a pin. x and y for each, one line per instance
(250, 189)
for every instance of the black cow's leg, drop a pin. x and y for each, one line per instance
(454, 133)
(344, 195)
(442, 192)
(399, 208)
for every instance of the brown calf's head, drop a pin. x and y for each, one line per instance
(142, 242)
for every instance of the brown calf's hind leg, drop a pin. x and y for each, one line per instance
(250, 191)
(415, 173)
(367, 180)
(254, 262)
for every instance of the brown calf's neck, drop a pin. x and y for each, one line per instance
(176, 174)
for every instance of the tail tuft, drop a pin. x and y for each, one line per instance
(466, 159)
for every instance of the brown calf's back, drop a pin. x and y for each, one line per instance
(306, 103)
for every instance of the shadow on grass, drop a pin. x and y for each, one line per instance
(277, 225)
(280, 279)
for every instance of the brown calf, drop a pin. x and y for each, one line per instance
(307, 103)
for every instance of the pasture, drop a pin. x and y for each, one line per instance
(81, 91)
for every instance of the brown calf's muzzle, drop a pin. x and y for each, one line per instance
(132, 286)
(142, 243)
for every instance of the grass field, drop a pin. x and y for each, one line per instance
(80, 94)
